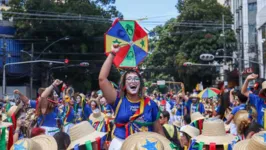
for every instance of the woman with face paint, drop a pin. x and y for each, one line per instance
(133, 111)
(68, 113)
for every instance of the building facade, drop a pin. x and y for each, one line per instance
(261, 29)
(245, 14)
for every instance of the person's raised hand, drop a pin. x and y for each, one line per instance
(252, 76)
(16, 92)
(57, 82)
(115, 48)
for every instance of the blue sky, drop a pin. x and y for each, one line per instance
(157, 11)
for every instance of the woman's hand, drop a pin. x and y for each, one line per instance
(17, 92)
(57, 82)
(115, 48)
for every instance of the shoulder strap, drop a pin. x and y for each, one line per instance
(166, 133)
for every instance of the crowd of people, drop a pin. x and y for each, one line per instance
(127, 118)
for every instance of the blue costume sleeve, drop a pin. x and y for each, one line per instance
(202, 109)
(253, 99)
(87, 112)
(155, 111)
(217, 109)
(235, 110)
(32, 104)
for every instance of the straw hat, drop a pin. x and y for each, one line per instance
(194, 95)
(191, 131)
(83, 132)
(262, 92)
(146, 140)
(214, 132)
(177, 124)
(196, 116)
(257, 142)
(96, 116)
(41, 142)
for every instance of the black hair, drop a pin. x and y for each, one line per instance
(224, 103)
(62, 140)
(242, 98)
(253, 127)
(166, 114)
(187, 119)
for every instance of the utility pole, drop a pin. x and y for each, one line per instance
(224, 48)
(31, 70)
(4, 61)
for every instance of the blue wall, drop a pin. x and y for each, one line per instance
(13, 49)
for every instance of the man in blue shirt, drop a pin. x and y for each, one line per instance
(258, 101)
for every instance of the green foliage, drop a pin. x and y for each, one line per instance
(86, 35)
(195, 31)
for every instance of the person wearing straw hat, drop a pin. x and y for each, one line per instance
(41, 142)
(197, 120)
(187, 132)
(257, 142)
(259, 101)
(84, 135)
(195, 106)
(149, 141)
(133, 111)
(180, 105)
(97, 119)
(213, 136)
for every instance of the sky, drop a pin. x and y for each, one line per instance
(157, 11)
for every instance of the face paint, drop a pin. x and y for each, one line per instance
(103, 101)
(132, 83)
(78, 99)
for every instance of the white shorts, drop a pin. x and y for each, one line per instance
(67, 127)
(50, 130)
(116, 144)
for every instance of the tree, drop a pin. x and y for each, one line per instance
(195, 31)
(85, 22)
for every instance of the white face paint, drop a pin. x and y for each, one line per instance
(78, 99)
(103, 101)
(132, 83)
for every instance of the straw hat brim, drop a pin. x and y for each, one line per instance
(198, 118)
(45, 141)
(241, 145)
(133, 139)
(177, 124)
(218, 140)
(91, 137)
(5, 124)
(95, 119)
(191, 131)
